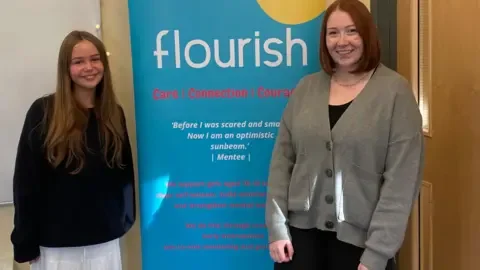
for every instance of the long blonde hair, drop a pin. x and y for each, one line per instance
(65, 121)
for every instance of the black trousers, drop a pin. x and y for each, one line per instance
(321, 250)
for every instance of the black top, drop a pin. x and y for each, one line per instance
(54, 208)
(336, 111)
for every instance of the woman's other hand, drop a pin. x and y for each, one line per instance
(281, 251)
(362, 267)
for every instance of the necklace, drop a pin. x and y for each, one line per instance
(350, 84)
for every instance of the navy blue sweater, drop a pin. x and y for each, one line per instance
(54, 208)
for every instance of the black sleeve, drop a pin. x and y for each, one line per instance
(26, 185)
(129, 189)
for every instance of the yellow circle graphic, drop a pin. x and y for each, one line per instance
(292, 11)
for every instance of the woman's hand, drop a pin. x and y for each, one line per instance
(362, 267)
(281, 251)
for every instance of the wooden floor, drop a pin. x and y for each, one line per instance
(6, 254)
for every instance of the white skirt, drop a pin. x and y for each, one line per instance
(106, 256)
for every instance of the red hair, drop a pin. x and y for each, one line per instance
(363, 20)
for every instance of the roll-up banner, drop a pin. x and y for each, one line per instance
(211, 80)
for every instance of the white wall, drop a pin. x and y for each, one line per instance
(32, 32)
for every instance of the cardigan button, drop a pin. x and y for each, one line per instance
(329, 172)
(329, 225)
(329, 199)
(328, 145)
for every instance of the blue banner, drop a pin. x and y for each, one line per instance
(211, 80)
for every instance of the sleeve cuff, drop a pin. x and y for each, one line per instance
(373, 260)
(278, 232)
(26, 254)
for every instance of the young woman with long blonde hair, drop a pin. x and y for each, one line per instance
(74, 194)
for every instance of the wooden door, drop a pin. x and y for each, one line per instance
(439, 51)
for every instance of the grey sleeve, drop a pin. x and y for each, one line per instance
(402, 179)
(281, 165)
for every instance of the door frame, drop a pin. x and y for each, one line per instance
(388, 15)
(384, 13)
